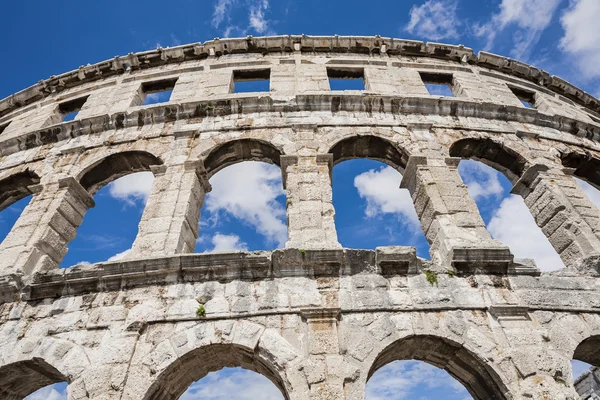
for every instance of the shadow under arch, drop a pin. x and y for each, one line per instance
(240, 150)
(115, 166)
(372, 147)
(586, 166)
(477, 377)
(15, 187)
(589, 351)
(491, 153)
(196, 364)
(20, 379)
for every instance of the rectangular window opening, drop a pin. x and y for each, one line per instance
(346, 78)
(156, 92)
(3, 127)
(253, 80)
(526, 97)
(438, 84)
(69, 109)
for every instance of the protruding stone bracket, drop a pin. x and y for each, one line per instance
(328, 160)
(158, 170)
(524, 266)
(77, 190)
(321, 315)
(198, 166)
(527, 178)
(35, 189)
(452, 161)
(284, 162)
(396, 260)
(413, 163)
(507, 313)
(481, 260)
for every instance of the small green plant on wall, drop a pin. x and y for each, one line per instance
(201, 312)
(431, 277)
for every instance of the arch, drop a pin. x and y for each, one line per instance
(588, 351)
(372, 147)
(236, 151)
(15, 187)
(115, 166)
(196, 364)
(472, 371)
(491, 153)
(20, 379)
(586, 166)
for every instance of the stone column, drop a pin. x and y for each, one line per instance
(450, 218)
(169, 224)
(38, 241)
(310, 212)
(565, 215)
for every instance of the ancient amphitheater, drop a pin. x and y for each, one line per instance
(316, 319)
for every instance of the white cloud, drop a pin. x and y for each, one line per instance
(233, 383)
(382, 191)
(529, 18)
(591, 192)
(221, 8)
(133, 187)
(482, 181)
(514, 226)
(48, 393)
(256, 12)
(225, 243)
(249, 191)
(435, 19)
(119, 256)
(408, 379)
(580, 22)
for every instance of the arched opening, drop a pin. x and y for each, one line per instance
(586, 167)
(489, 176)
(233, 383)
(120, 184)
(585, 366)
(366, 173)
(15, 195)
(411, 379)
(21, 379)
(173, 382)
(246, 208)
(57, 391)
(478, 378)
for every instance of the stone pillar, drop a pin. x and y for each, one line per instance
(568, 219)
(169, 224)
(310, 212)
(38, 241)
(450, 218)
(324, 368)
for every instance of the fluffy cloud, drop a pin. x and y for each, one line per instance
(580, 23)
(249, 191)
(411, 380)
(529, 19)
(52, 392)
(219, 12)
(256, 12)
(224, 243)
(381, 190)
(514, 226)
(482, 181)
(257, 16)
(133, 187)
(233, 383)
(435, 19)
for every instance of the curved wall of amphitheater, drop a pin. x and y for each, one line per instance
(314, 318)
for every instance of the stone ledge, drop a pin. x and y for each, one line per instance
(328, 102)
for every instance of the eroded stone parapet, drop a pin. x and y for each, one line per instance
(310, 212)
(169, 224)
(565, 215)
(38, 241)
(450, 218)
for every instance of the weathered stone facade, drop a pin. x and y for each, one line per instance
(316, 319)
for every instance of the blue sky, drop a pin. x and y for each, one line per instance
(246, 209)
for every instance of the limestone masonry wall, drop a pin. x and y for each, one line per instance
(316, 319)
